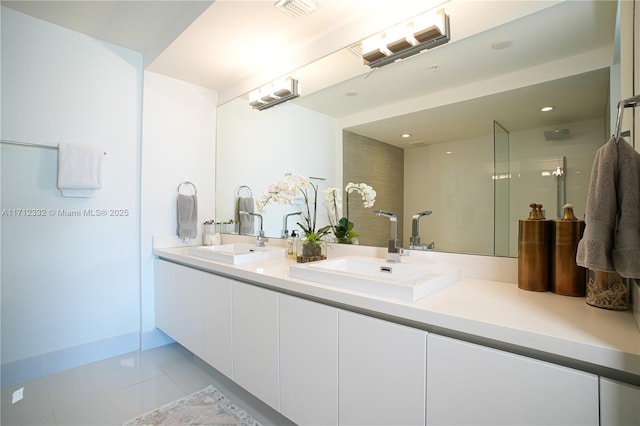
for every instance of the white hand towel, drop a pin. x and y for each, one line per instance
(79, 169)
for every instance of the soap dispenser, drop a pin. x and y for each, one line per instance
(292, 245)
(533, 250)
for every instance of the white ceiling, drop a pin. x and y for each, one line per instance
(575, 98)
(217, 44)
(231, 45)
(144, 26)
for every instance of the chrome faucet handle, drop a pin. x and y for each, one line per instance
(285, 232)
(423, 247)
(394, 257)
(394, 251)
(261, 239)
(390, 215)
(414, 240)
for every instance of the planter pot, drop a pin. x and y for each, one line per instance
(311, 252)
(347, 240)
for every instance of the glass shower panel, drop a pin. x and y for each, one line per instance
(501, 187)
(544, 181)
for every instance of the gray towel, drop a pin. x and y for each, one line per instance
(246, 221)
(594, 249)
(626, 247)
(187, 216)
(611, 239)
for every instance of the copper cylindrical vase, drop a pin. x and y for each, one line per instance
(533, 255)
(567, 278)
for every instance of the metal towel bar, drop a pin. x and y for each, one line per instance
(30, 144)
(625, 103)
(195, 190)
(238, 189)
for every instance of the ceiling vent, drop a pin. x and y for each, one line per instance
(297, 7)
(356, 49)
(557, 134)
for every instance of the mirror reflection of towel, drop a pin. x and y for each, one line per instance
(246, 221)
(187, 216)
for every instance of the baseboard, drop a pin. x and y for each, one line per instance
(153, 338)
(52, 362)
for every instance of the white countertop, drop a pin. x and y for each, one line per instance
(540, 324)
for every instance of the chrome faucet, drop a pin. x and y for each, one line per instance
(394, 251)
(285, 231)
(260, 238)
(414, 241)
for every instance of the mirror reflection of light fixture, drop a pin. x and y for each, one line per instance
(425, 31)
(274, 93)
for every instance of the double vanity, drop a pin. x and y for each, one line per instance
(435, 339)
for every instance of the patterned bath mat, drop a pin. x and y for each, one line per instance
(206, 407)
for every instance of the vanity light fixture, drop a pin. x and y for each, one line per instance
(274, 93)
(425, 31)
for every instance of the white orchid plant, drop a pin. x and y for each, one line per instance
(290, 189)
(341, 226)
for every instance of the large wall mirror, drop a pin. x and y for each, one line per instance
(480, 148)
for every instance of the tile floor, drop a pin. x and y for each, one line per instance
(113, 390)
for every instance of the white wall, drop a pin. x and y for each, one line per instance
(261, 146)
(454, 181)
(81, 288)
(178, 144)
(70, 285)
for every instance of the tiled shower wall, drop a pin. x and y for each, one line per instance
(382, 166)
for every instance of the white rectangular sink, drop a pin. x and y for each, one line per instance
(236, 254)
(403, 281)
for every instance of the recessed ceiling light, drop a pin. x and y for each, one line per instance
(352, 93)
(503, 44)
(406, 135)
(547, 108)
(448, 152)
